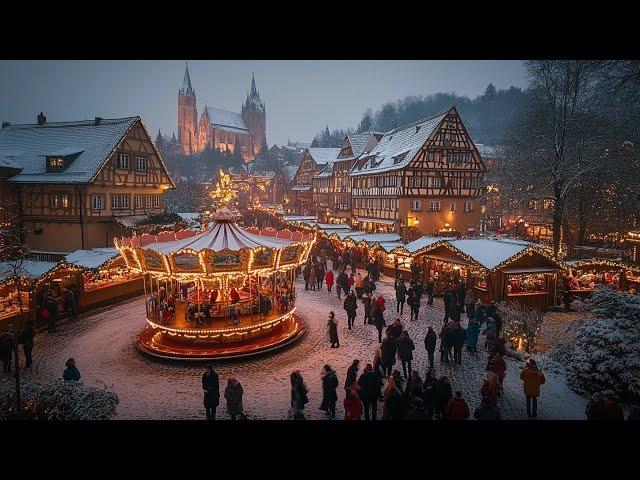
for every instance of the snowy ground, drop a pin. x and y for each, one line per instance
(102, 345)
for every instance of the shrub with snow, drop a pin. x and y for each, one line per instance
(606, 353)
(521, 325)
(57, 400)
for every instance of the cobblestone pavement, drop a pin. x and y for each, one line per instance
(102, 345)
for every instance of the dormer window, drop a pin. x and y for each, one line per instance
(55, 163)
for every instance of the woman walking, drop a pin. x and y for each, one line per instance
(329, 280)
(298, 395)
(329, 395)
(378, 319)
(366, 302)
(233, 394)
(332, 324)
(350, 305)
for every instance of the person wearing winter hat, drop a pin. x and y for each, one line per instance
(532, 378)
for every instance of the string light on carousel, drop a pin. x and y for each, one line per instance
(222, 292)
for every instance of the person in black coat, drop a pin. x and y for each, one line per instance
(350, 305)
(444, 345)
(333, 330)
(428, 288)
(370, 385)
(341, 282)
(366, 302)
(6, 350)
(458, 337)
(25, 337)
(388, 348)
(443, 395)
(462, 295)
(405, 352)
(395, 329)
(378, 319)
(430, 344)
(401, 296)
(211, 387)
(329, 395)
(429, 389)
(352, 375)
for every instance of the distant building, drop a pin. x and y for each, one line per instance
(300, 196)
(221, 129)
(254, 186)
(77, 182)
(332, 184)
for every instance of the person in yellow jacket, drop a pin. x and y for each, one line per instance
(532, 379)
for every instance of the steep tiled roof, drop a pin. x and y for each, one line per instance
(224, 118)
(402, 143)
(28, 146)
(359, 142)
(323, 155)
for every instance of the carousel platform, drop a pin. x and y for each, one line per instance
(222, 340)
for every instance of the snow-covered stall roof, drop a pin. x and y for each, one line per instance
(30, 269)
(220, 236)
(369, 238)
(93, 258)
(390, 246)
(333, 226)
(399, 146)
(420, 243)
(29, 145)
(299, 218)
(489, 252)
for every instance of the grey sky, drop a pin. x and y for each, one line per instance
(301, 96)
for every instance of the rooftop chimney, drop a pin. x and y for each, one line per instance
(42, 119)
(97, 121)
(5, 124)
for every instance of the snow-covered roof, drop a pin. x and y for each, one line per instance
(290, 171)
(220, 236)
(189, 216)
(323, 155)
(224, 118)
(301, 188)
(490, 252)
(29, 145)
(369, 238)
(8, 162)
(421, 243)
(359, 141)
(30, 269)
(93, 258)
(390, 246)
(488, 151)
(131, 220)
(399, 146)
(298, 218)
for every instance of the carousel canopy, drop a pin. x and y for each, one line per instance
(220, 236)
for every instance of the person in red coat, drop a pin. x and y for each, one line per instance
(235, 296)
(329, 279)
(353, 407)
(498, 366)
(381, 303)
(457, 408)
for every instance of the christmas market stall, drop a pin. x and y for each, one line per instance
(412, 253)
(220, 293)
(17, 280)
(106, 278)
(513, 270)
(584, 276)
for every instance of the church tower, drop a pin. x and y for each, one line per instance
(255, 118)
(187, 115)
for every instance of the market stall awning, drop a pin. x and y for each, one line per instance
(381, 221)
(489, 252)
(29, 269)
(530, 270)
(420, 243)
(93, 258)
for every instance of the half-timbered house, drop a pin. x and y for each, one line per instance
(331, 186)
(420, 178)
(74, 179)
(300, 198)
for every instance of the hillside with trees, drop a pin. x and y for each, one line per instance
(485, 116)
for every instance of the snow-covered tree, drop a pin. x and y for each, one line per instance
(521, 325)
(606, 353)
(57, 400)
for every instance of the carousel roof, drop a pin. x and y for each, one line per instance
(220, 236)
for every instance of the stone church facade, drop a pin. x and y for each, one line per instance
(221, 129)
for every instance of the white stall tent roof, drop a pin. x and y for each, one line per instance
(30, 269)
(421, 243)
(93, 258)
(333, 226)
(389, 246)
(490, 252)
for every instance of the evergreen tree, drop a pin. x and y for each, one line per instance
(159, 141)
(366, 124)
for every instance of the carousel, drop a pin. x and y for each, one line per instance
(222, 292)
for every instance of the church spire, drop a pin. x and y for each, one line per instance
(187, 89)
(254, 91)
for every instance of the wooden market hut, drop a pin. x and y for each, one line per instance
(584, 276)
(105, 279)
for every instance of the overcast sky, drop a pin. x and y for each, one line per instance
(301, 96)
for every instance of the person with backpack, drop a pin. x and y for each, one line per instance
(298, 395)
(405, 352)
(329, 395)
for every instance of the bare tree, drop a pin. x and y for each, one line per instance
(558, 138)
